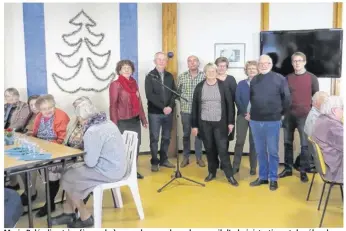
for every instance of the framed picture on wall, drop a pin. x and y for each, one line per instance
(234, 52)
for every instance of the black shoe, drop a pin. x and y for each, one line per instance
(285, 172)
(43, 210)
(210, 177)
(252, 172)
(273, 185)
(24, 198)
(53, 190)
(258, 182)
(64, 219)
(139, 176)
(82, 224)
(233, 181)
(15, 187)
(304, 177)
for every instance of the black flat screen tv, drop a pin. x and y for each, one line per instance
(322, 47)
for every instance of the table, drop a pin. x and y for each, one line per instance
(61, 155)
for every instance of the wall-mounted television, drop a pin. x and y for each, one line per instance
(322, 47)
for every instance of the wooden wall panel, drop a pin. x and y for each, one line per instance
(337, 23)
(264, 16)
(169, 44)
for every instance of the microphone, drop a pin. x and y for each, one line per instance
(177, 94)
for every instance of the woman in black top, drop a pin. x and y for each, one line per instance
(212, 115)
(222, 67)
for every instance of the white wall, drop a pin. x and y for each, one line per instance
(149, 42)
(299, 16)
(15, 71)
(57, 17)
(200, 26)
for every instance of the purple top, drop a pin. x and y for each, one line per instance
(328, 133)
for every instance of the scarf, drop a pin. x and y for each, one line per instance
(130, 86)
(98, 118)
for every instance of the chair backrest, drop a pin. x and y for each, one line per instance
(318, 157)
(131, 141)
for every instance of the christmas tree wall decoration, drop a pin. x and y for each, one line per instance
(84, 73)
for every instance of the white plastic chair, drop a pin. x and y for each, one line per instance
(130, 179)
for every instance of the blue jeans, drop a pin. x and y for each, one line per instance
(186, 119)
(266, 136)
(156, 122)
(13, 208)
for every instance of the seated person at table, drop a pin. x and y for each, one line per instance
(16, 113)
(50, 124)
(317, 100)
(105, 161)
(13, 209)
(328, 133)
(74, 137)
(28, 131)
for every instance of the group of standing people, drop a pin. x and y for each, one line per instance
(266, 101)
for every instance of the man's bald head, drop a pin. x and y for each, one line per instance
(193, 63)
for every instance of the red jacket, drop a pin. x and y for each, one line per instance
(120, 104)
(60, 123)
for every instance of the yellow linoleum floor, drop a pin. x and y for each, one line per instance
(184, 204)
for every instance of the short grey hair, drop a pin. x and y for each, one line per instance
(320, 96)
(85, 110)
(80, 100)
(13, 91)
(209, 65)
(45, 99)
(330, 103)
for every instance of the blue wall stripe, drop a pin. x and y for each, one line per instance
(35, 48)
(129, 34)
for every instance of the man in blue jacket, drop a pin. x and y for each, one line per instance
(270, 99)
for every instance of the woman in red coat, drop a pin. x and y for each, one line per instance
(50, 124)
(126, 109)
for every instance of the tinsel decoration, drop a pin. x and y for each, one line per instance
(91, 45)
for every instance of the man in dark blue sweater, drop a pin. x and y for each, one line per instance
(270, 99)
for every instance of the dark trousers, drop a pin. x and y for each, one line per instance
(186, 121)
(156, 122)
(293, 122)
(242, 126)
(134, 125)
(216, 143)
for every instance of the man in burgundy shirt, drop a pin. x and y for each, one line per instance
(303, 85)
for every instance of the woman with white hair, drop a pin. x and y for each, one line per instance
(74, 137)
(212, 121)
(328, 133)
(105, 161)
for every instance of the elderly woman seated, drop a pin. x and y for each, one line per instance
(16, 113)
(328, 133)
(317, 101)
(105, 161)
(50, 124)
(74, 137)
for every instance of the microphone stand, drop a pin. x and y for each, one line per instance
(177, 173)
